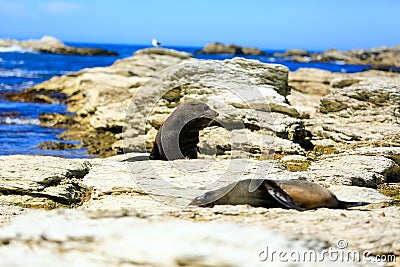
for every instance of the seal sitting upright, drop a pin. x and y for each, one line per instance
(179, 135)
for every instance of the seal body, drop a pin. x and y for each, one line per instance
(179, 135)
(293, 194)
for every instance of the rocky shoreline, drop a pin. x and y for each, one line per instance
(384, 58)
(219, 48)
(51, 45)
(380, 58)
(339, 130)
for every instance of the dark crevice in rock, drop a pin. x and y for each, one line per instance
(78, 194)
(71, 192)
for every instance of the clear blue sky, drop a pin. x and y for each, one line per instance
(267, 24)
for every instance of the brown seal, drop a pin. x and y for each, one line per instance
(179, 135)
(292, 194)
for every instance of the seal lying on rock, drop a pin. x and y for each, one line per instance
(292, 194)
(179, 135)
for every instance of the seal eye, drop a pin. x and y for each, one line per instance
(206, 107)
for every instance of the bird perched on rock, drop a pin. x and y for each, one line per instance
(155, 43)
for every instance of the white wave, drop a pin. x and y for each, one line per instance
(340, 62)
(19, 62)
(18, 87)
(19, 73)
(19, 121)
(15, 48)
(1, 60)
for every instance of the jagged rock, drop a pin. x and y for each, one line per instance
(293, 53)
(57, 120)
(363, 112)
(380, 56)
(53, 145)
(312, 81)
(219, 48)
(359, 110)
(49, 44)
(359, 170)
(38, 181)
(246, 93)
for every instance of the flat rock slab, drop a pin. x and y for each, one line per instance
(39, 180)
(73, 238)
(359, 170)
(136, 208)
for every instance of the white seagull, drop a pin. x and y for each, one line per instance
(155, 43)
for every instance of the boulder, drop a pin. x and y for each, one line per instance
(51, 45)
(219, 48)
(38, 181)
(379, 57)
(293, 53)
(354, 110)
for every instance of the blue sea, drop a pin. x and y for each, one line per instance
(20, 130)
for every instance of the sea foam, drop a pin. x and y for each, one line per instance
(19, 121)
(15, 48)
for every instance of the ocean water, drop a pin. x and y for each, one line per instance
(20, 131)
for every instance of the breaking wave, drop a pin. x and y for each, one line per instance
(19, 121)
(16, 48)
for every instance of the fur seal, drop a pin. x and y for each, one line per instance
(179, 135)
(291, 194)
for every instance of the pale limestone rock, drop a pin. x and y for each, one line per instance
(360, 109)
(246, 94)
(40, 181)
(8, 211)
(132, 199)
(357, 170)
(312, 81)
(293, 158)
(49, 44)
(379, 56)
(74, 238)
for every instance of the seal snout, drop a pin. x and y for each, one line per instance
(213, 114)
(201, 201)
(198, 201)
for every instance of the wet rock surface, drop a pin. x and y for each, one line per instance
(49, 44)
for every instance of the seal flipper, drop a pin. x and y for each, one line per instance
(281, 196)
(347, 204)
(155, 152)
